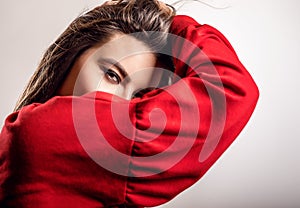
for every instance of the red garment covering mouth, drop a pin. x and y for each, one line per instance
(44, 160)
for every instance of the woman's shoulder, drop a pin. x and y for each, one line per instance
(37, 117)
(52, 116)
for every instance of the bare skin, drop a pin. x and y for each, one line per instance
(123, 67)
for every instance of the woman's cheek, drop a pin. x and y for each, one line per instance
(88, 80)
(104, 85)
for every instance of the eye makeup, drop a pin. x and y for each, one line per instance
(141, 92)
(111, 63)
(110, 73)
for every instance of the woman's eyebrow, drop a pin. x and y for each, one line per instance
(119, 67)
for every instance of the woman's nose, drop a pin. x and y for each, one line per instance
(126, 92)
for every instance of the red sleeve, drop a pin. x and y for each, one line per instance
(99, 151)
(216, 87)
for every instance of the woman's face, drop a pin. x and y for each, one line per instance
(123, 66)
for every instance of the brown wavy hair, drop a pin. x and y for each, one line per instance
(94, 27)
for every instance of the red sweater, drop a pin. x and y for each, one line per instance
(101, 151)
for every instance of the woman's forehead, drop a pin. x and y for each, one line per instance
(126, 51)
(121, 46)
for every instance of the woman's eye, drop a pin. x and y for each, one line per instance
(112, 76)
(141, 92)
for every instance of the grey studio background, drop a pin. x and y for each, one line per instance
(261, 168)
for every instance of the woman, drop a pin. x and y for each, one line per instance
(89, 30)
(78, 139)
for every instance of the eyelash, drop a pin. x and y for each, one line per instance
(112, 76)
(141, 92)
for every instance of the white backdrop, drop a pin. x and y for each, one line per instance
(261, 168)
